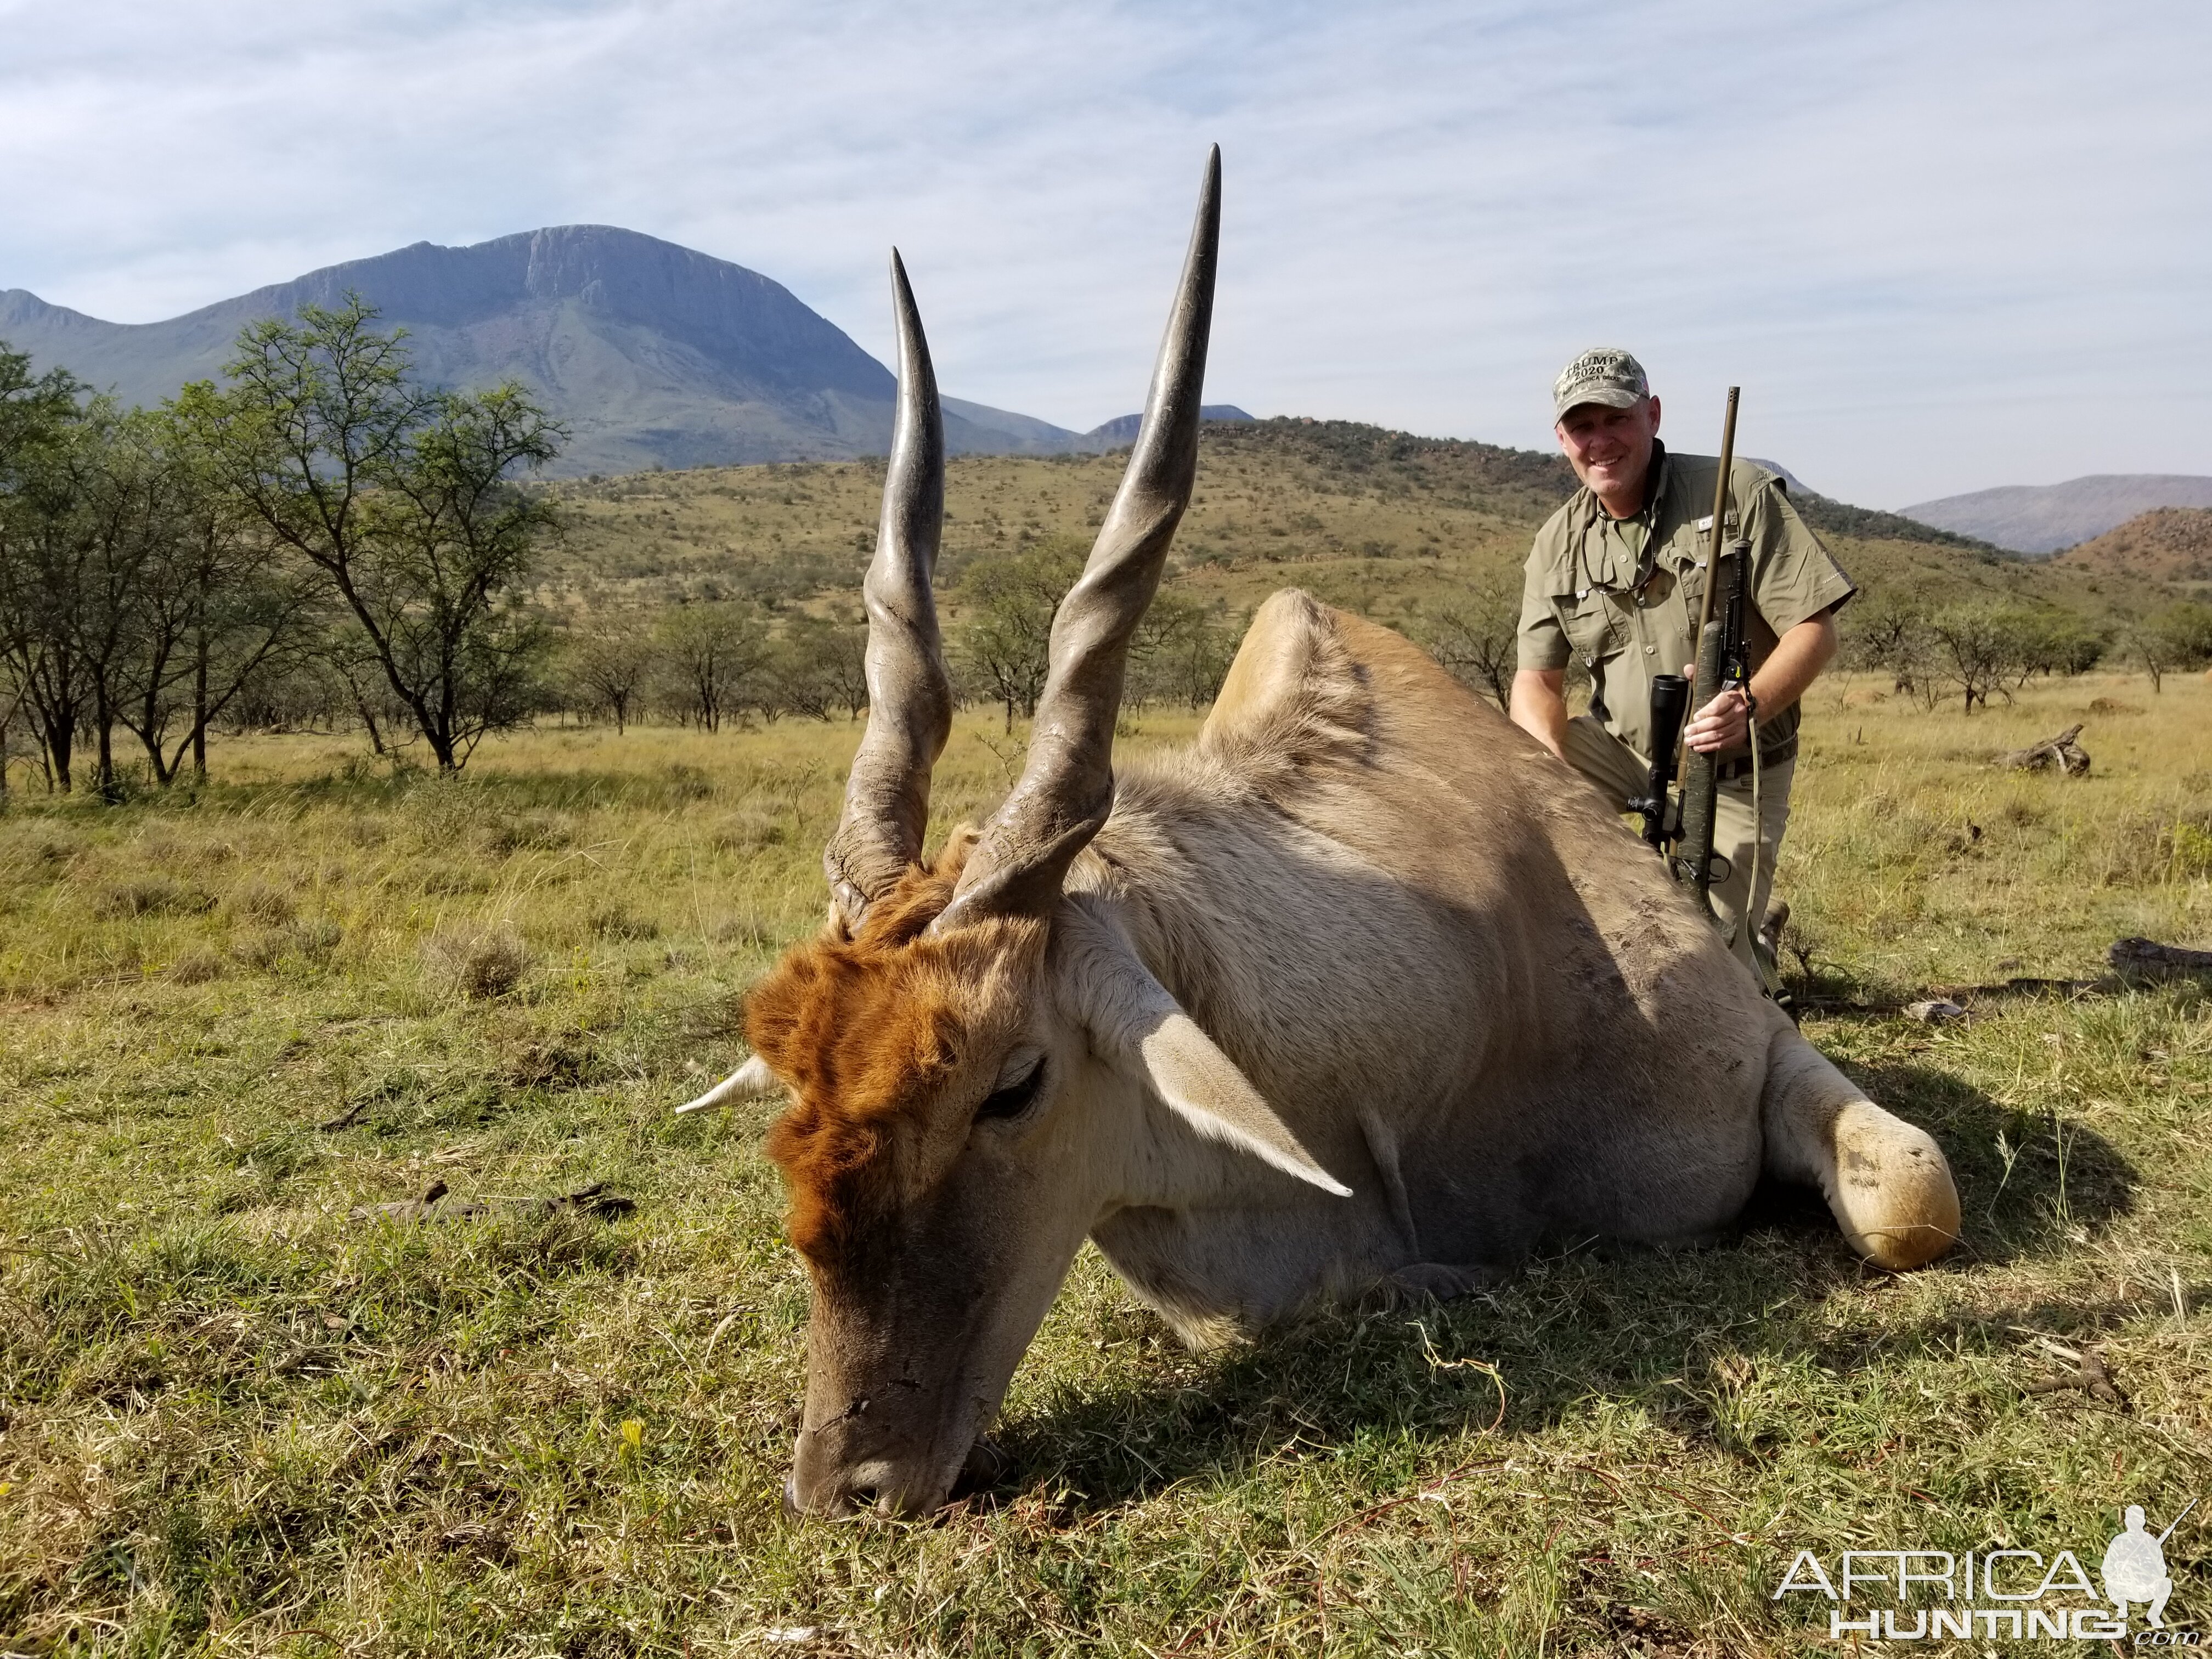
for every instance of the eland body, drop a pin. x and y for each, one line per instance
(1365, 989)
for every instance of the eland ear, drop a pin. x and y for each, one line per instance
(1203, 1087)
(1142, 1028)
(750, 1081)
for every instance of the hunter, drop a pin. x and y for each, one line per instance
(1615, 581)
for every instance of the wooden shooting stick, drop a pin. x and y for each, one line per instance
(1712, 564)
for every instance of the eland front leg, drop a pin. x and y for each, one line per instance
(1887, 1182)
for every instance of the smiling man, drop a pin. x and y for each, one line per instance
(1615, 581)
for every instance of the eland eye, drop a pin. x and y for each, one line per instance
(1015, 1097)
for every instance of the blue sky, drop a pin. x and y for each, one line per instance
(1941, 245)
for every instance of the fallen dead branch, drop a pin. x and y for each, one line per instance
(2136, 962)
(593, 1201)
(2061, 751)
(2143, 959)
(350, 1116)
(2090, 1373)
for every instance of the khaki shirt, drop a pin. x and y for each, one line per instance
(1626, 602)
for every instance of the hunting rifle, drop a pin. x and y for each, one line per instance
(1724, 664)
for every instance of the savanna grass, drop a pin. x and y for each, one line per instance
(239, 1419)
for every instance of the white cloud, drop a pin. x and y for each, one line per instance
(1942, 246)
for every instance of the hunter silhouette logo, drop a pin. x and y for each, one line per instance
(2135, 1566)
(1929, 1594)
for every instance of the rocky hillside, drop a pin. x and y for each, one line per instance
(2166, 545)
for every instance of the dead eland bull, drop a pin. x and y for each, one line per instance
(1365, 988)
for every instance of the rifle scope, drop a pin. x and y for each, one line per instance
(1670, 702)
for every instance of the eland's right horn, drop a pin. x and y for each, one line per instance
(909, 693)
(1066, 788)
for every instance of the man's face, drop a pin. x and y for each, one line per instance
(1610, 449)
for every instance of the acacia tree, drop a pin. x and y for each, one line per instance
(712, 655)
(2179, 636)
(1476, 638)
(219, 600)
(611, 666)
(42, 552)
(818, 664)
(405, 499)
(1005, 639)
(844, 663)
(32, 406)
(1977, 649)
(125, 496)
(1889, 634)
(1181, 653)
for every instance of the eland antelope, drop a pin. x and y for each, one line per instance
(1364, 989)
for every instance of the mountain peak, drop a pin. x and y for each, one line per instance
(652, 354)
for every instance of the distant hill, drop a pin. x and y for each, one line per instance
(1123, 428)
(1797, 484)
(1834, 518)
(652, 354)
(2044, 518)
(2165, 545)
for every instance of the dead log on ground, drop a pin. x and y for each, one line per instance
(593, 1201)
(2061, 751)
(2143, 961)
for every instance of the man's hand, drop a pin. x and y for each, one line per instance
(1722, 725)
(1794, 663)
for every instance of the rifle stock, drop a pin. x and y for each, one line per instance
(1701, 782)
(1723, 663)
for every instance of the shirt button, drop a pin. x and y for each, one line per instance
(1651, 650)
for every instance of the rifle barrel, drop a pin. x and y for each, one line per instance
(2178, 1519)
(1704, 691)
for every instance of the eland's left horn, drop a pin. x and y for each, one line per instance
(750, 1081)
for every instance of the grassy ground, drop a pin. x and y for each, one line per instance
(235, 1420)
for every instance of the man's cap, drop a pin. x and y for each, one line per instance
(1605, 374)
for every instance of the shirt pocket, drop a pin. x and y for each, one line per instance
(1596, 624)
(1690, 591)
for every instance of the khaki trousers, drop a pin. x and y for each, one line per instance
(1620, 775)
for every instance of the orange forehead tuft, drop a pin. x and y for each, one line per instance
(866, 1029)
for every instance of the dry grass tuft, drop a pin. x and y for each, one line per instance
(479, 963)
(312, 940)
(523, 832)
(195, 967)
(150, 896)
(751, 827)
(261, 901)
(445, 880)
(617, 921)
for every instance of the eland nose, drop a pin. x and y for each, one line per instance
(835, 1472)
(836, 1497)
